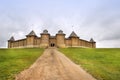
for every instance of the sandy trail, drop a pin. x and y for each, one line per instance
(53, 65)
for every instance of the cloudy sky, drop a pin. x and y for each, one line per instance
(99, 19)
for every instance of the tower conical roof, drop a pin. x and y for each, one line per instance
(73, 34)
(11, 39)
(45, 32)
(60, 32)
(32, 33)
(91, 40)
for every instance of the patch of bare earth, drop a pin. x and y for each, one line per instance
(53, 65)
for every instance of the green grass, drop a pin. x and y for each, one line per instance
(13, 61)
(103, 64)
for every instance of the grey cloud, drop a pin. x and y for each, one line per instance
(111, 35)
(9, 25)
(105, 25)
(101, 24)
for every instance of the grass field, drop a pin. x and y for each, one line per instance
(103, 64)
(12, 61)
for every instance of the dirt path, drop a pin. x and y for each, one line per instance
(53, 65)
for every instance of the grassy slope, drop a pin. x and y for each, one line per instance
(104, 64)
(12, 61)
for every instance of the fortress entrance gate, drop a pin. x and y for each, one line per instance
(52, 45)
